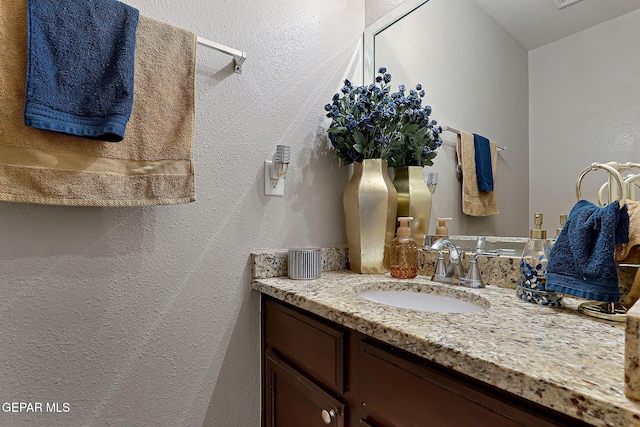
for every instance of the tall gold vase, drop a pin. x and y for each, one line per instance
(414, 199)
(370, 205)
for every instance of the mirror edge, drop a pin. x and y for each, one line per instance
(369, 35)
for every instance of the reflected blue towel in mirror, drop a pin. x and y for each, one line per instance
(582, 260)
(484, 172)
(80, 67)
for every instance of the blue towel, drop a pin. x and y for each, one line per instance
(582, 261)
(80, 67)
(484, 169)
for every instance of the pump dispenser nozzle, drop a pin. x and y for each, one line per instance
(537, 232)
(563, 219)
(441, 230)
(404, 230)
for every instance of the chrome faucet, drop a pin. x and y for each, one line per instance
(452, 272)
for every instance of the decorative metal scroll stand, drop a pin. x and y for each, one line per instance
(615, 311)
(631, 182)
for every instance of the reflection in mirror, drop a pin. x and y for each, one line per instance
(557, 108)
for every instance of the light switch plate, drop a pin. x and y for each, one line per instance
(269, 189)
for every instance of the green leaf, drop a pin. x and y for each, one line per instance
(337, 129)
(359, 138)
(411, 127)
(358, 148)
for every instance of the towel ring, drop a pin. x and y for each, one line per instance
(613, 171)
(630, 184)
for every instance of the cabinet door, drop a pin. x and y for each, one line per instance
(316, 348)
(408, 394)
(293, 400)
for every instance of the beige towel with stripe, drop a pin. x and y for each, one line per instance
(153, 165)
(474, 202)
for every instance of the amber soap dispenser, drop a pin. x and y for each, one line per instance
(404, 252)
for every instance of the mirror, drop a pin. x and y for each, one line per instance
(557, 108)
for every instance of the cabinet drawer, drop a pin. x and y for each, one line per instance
(404, 393)
(315, 347)
(294, 401)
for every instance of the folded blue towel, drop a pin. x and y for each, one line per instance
(484, 169)
(582, 260)
(80, 67)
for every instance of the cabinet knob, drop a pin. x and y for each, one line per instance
(327, 416)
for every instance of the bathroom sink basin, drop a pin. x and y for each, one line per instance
(420, 301)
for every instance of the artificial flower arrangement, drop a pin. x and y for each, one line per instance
(370, 122)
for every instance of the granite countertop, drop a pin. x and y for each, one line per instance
(556, 357)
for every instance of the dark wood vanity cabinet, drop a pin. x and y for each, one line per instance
(318, 373)
(303, 369)
(297, 401)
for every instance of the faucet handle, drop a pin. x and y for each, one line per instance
(473, 279)
(441, 269)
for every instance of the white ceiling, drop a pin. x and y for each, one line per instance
(534, 23)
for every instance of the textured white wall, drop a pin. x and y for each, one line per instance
(376, 9)
(144, 316)
(475, 78)
(584, 108)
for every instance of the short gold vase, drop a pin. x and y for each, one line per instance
(370, 206)
(414, 199)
